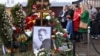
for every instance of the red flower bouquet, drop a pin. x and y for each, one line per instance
(30, 21)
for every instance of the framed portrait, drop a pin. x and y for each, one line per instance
(41, 38)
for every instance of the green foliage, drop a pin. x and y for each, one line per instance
(28, 53)
(29, 6)
(5, 28)
(58, 28)
(14, 10)
(60, 37)
(17, 15)
(2, 8)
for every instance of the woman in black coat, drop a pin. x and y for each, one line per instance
(96, 25)
(98, 22)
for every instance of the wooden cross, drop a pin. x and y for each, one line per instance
(41, 10)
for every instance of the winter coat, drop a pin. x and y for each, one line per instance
(69, 26)
(98, 18)
(84, 17)
(62, 19)
(76, 20)
(96, 24)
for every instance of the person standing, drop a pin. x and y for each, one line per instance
(62, 16)
(84, 17)
(93, 23)
(76, 21)
(69, 18)
(97, 25)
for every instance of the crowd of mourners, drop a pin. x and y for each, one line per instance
(71, 16)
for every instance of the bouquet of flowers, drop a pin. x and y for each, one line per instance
(22, 38)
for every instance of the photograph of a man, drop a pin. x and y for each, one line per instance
(41, 37)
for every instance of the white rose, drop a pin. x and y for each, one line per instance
(57, 33)
(48, 17)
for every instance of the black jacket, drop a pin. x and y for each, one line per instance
(46, 44)
(64, 17)
(71, 13)
(98, 18)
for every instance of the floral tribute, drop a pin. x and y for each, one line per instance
(61, 44)
(30, 21)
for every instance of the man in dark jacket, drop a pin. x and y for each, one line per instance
(43, 41)
(62, 16)
(97, 25)
(42, 33)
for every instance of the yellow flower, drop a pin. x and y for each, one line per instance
(34, 21)
(21, 38)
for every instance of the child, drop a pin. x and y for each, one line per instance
(69, 25)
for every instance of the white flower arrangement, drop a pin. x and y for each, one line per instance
(42, 53)
(48, 17)
(28, 32)
(58, 33)
(58, 21)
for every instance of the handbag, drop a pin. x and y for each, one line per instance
(83, 25)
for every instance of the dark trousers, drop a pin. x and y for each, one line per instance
(63, 24)
(76, 36)
(95, 28)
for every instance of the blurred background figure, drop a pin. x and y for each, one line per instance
(96, 24)
(84, 17)
(69, 18)
(76, 22)
(62, 16)
(93, 22)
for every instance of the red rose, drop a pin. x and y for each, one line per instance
(65, 35)
(30, 21)
(52, 23)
